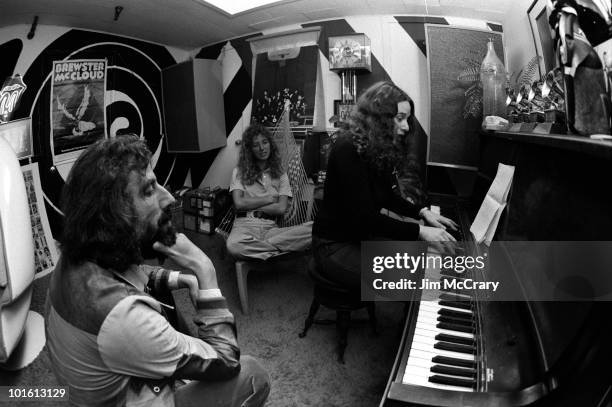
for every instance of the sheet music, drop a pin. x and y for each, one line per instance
(484, 225)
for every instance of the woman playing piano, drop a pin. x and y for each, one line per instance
(361, 173)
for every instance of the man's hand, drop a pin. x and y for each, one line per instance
(437, 220)
(188, 255)
(190, 282)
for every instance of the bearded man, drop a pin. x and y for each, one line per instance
(108, 335)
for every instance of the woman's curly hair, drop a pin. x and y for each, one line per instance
(248, 170)
(373, 130)
(99, 215)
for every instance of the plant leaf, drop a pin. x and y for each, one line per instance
(529, 71)
(470, 74)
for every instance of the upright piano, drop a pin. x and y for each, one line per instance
(461, 350)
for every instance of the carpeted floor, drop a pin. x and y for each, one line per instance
(304, 371)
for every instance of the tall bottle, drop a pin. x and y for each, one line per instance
(493, 78)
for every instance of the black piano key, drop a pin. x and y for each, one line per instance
(446, 360)
(455, 339)
(455, 314)
(453, 347)
(451, 291)
(453, 277)
(452, 381)
(458, 321)
(445, 312)
(456, 304)
(455, 327)
(455, 371)
(456, 290)
(450, 273)
(453, 297)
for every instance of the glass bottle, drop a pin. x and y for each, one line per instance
(493, 78)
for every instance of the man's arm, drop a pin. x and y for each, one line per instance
(135, 339)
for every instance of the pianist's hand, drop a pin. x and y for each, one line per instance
(439, 238)
(437, 220)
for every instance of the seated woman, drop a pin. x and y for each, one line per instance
(361, 172)
(261, 192)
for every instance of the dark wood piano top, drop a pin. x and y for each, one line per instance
(585, 145)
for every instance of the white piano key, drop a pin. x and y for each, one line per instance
(428, 318)
(426, 383)
(415, 371)
(424, 339)
(435, 329)
(438, 293)
(435, 305)
(424, 359)
(441, 352)
(436, 313)
(415, 361)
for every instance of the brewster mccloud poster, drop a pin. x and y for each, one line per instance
(77, 106)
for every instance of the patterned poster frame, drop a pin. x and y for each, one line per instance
(45, 251)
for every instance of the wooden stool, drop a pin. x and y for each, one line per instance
(340, 299)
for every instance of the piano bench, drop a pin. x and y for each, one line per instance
(337, 298)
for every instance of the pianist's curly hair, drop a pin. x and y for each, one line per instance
(371, 126)
(248, 171)
(98, 210)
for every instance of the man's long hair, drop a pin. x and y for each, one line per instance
(248, 170)
(372, 127)
(99, 216)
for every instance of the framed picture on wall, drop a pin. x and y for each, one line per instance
(538, 20)
(342, 110)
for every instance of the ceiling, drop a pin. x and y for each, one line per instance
(190, 24)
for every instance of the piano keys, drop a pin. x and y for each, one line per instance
(443, 360)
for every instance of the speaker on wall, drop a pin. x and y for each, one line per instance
(193, 106)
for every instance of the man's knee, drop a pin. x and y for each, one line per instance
(257, 377)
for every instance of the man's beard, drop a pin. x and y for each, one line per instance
(165, 233)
